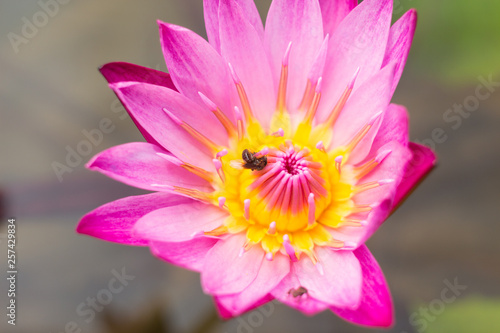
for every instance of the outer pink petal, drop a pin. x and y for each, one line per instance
(422, 162)
(116, 72)
(147, 103)
(376, 308)
(380, 198)
(190, 254)
(270, 275)
(399, 43)
(196, 67)
(114, 221)
(179, 223)
(298, 22)
(242, 47)
(138, 164)
(226, 272)
(227, 314)
(339, 285)
(365, 102)
(334, 11)
(305, 303)
(394, 128)
(359, 42)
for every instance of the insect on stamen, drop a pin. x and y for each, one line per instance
(254, 161)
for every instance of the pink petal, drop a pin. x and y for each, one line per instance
(381, 198)
(399, 43)
(370, 98)
(138, 164)
(298, 22)
(226, 272)
(305, 303)
(359, 42)
(334, 11)
(339, 285)
(392, 167)
(394, 127)
(196, 67)
(422, 162)
(242, 47)
(147, 103)
(190, 254)
(252, 15)
(227, 314)
(270, 275)
(376, 308)
(114, 221)
(180, 223)
(211, 14)
(117, 72)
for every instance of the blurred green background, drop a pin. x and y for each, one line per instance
(50, 90)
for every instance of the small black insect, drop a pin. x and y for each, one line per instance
(252, 162)
(297, 292)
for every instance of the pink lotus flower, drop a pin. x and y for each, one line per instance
(274, 154)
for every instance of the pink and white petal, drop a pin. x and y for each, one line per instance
(341, 281)
(251, 13)
(364, 146)
(118, 72)
(147, 103)
(359, 235)
(381, 198)
(300, 23)
(304, 303)
(138, 164)
(423, 160)
(195, 66)
(226, 272)
(270, 275)
(376, 309)
(180, 223)
(211, 15)
(242, 47)
(399, 43)
(359, 42)
(365, 103)
(394, 128)
(114, 221)
(333, 12)
(189, 254)
(392, 167)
